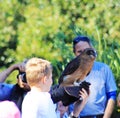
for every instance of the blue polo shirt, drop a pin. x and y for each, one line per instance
(102, 83)
(5, 90)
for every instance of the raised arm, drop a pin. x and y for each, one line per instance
(4, 74)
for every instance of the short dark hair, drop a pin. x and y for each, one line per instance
(80, 38)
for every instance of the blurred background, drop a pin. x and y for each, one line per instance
(46, 28)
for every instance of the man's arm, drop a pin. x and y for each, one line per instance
(111, 96)
(109, 108)
(7, 72)
(78, 106)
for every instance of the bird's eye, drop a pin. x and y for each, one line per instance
(91, 52)
(80, 51)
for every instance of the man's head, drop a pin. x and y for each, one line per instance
(38, 71)
(80, 43)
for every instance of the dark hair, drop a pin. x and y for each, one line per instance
(80, 38)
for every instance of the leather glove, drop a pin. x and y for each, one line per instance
(69, 94)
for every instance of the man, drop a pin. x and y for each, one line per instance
(103, 88)
(13, 92)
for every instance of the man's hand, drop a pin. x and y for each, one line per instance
(78, 105)
(19, 66)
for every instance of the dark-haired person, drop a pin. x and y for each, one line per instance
(5, 89)
(13, 92)
(103, 88)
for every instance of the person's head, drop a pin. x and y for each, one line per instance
(61, 108)
(8, 109)
(39, 73)
(80, 43)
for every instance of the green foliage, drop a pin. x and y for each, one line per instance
(63, 52)
(45, 28)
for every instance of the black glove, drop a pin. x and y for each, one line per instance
(74, 91)
(68, 95)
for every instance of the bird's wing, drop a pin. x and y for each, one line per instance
(70, 68)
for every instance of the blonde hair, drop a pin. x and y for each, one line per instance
(37, 68)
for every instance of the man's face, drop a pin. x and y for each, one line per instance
(80, 46)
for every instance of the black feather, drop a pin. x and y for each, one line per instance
(71, 66)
